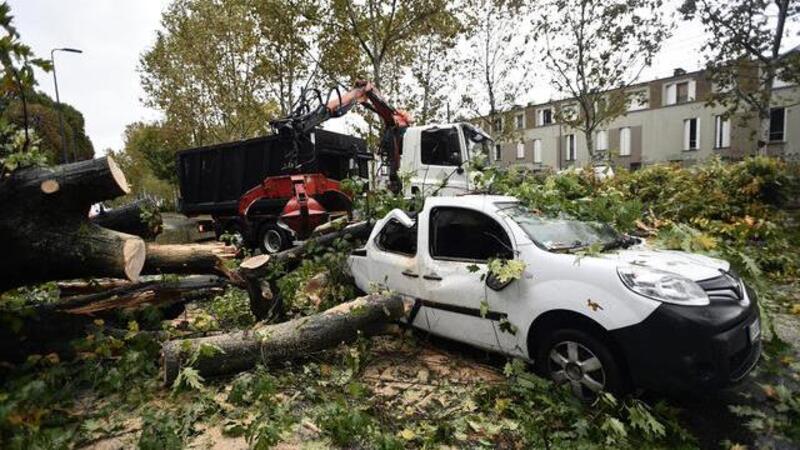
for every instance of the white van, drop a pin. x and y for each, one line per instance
(626, 317)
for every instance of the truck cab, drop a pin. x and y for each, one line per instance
(437, 158)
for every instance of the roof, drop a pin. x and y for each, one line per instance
(472, 201)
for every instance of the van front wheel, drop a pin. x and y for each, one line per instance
(577, 358)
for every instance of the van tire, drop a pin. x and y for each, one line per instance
(584, 362)
(272, 239)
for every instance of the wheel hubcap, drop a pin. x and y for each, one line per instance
(573, 363)
(272, 241)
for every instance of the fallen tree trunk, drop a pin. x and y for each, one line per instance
(140, 218)
(154, 291)
(45, 232)
(292, 257)
(241, 350)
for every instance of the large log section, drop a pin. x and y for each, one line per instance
(45, 232)
(130, 219)
(241, 350)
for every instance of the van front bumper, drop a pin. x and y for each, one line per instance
(691, 348)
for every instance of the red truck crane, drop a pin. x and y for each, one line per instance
(300, 196)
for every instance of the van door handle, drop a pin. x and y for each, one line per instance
(432, 276)
(410, 274)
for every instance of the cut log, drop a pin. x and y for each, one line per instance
(140, 218)
(188, 259)
(242, 350)
(45, 233)
(264, 303)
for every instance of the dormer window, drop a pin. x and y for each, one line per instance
(679, 92)
(544, 117)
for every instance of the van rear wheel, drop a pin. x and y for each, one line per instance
(271, 239)
(580, 360)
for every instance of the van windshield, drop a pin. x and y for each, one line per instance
(560, 234)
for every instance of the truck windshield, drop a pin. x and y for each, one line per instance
(478, 144)
(560, 234)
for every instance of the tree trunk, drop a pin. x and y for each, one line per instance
(291, 257)
(45, 232)
(241, 350)
(188, 259)
(154, 291)
(132, 218)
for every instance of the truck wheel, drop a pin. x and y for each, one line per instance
(577, 358)
(271, 239)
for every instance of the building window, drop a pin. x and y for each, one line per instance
(624, 141)
(520, 150)
(537, 151)
(691, 133)
(544, 117)
(601, 140)
(571, 148)
(680, 92)
(777, 124)
(497, 127)
(497, 152)
(638, 100)
(519, 121)
(722, 132)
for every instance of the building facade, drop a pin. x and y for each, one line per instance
(666, 120)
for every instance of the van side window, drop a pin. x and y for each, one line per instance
(396, 238)
(441, 147)
(464, 234)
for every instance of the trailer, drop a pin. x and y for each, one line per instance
(215, 180)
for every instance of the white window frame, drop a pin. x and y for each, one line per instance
(671, 92)
(520, 150)
(537, 151)
(686, 134)
(540, 117)
(601, 140)
(519, 121)
(571, 148)
(625, 141)
(722, 132)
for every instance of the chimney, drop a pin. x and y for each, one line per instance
(678, 72)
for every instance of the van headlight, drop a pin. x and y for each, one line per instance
(663, 286)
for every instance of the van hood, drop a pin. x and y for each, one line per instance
(689, 265)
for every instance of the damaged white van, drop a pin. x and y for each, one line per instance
(627, 317)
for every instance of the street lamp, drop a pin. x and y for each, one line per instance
(58, 100)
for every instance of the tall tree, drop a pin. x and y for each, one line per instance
(18, 63)
(594, 50)
(496, 60)
(377, 33)
(432, 69)
(221, 69)
(744, 54)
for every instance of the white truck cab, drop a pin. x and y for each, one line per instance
(436, 157)
(626, 317)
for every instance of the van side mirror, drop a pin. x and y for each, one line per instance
(494, 283)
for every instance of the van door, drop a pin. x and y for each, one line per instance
(452, 293)
(393, 262)
(439, 169)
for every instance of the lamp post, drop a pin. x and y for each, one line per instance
(58, 100)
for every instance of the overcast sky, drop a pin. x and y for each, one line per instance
(103, 83)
